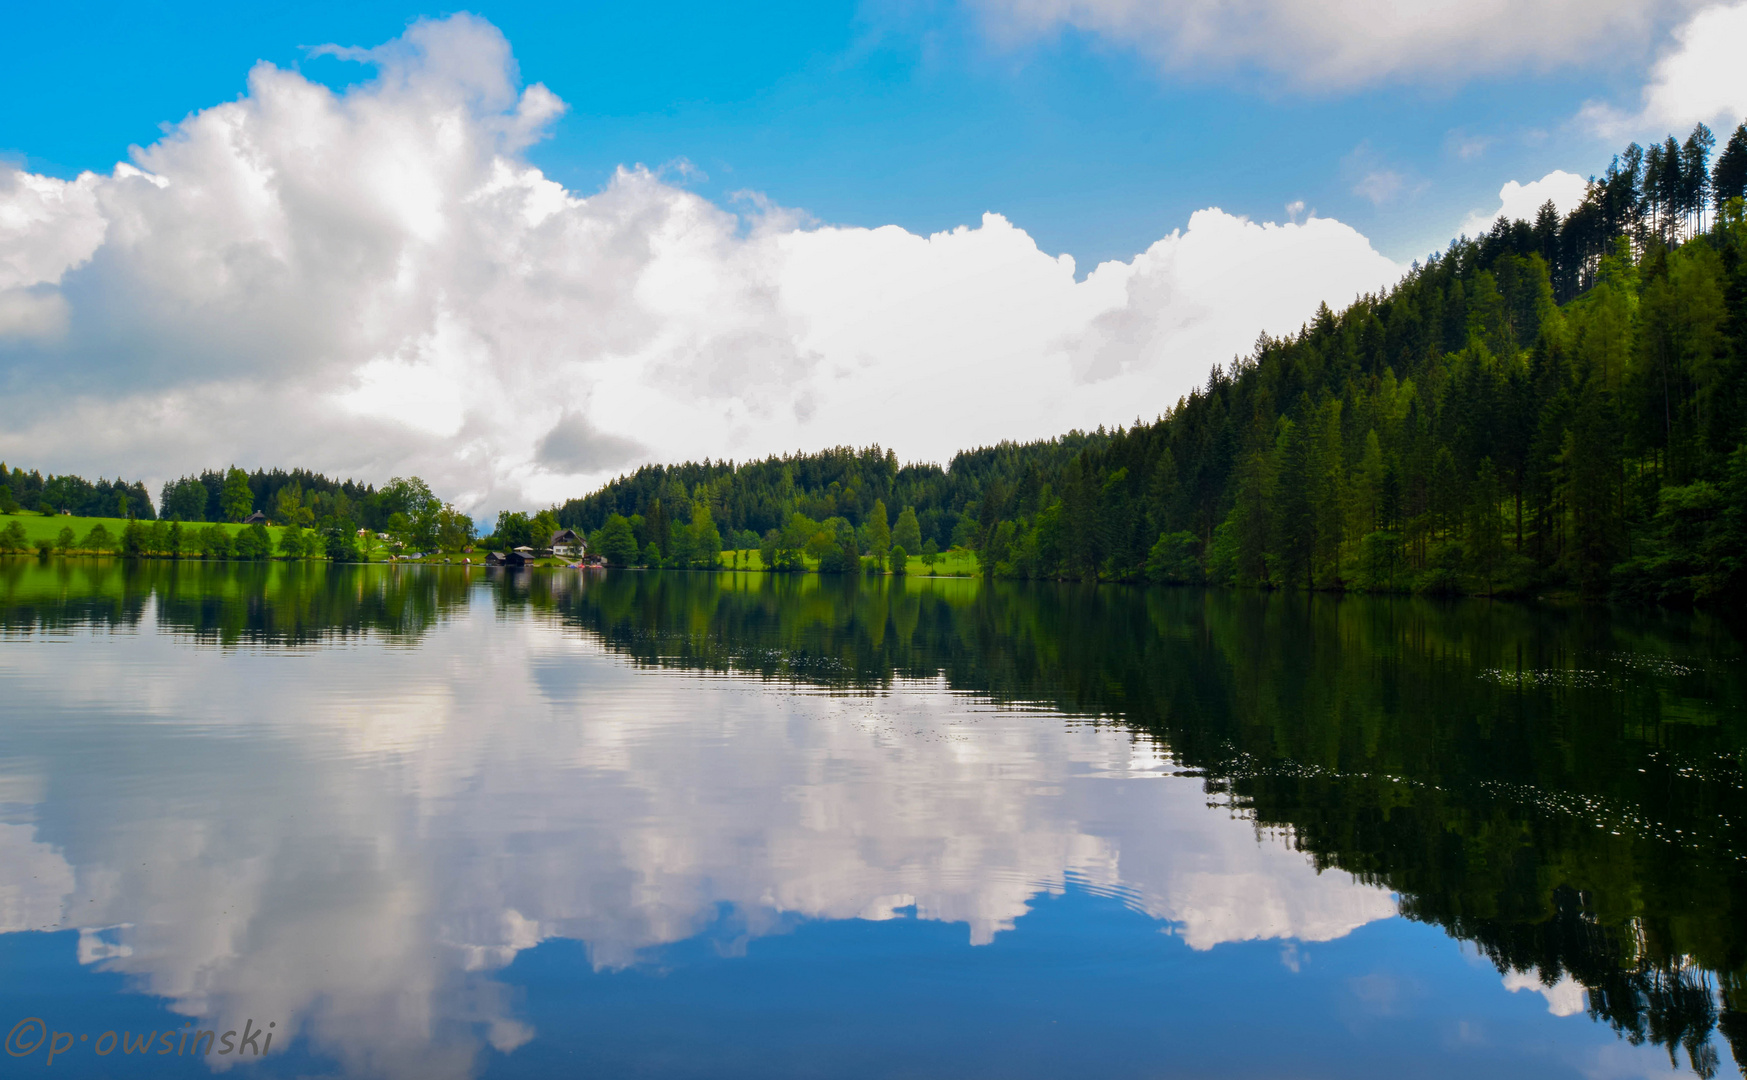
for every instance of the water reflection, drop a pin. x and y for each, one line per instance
(360, 839)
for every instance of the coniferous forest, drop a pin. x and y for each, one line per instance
(1556, 405)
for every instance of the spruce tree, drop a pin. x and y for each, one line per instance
(879, 531)
(238, 501)
(1729, 177)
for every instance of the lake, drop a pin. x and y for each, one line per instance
(445, 822)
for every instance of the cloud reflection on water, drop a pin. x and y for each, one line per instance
(355, 838)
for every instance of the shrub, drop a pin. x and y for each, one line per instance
(1173, 560)
(342, 546)
(293, 544)
(215, 542)
(133, 540)
(254, 543)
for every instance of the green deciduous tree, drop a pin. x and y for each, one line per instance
(617, 544)
(215, 542)
(1174, 559)
(704, 541)
(879, 531)
(294, 543)
(513, 530)
(253, 543)
(133, 540)
(907, 533)
(13, 539)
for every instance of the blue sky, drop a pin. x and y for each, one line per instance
(519, 249)
(864, 114)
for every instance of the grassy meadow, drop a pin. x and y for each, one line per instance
(955, 563)
(39, 527)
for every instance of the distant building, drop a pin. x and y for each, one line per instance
(566, 544)
(256, 518)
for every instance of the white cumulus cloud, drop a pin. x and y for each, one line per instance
(1521, 202)
(1322, 46)
(1564, 998)
(376, 281)
(1697, 79)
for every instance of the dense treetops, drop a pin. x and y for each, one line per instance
(1557, 403)
(818, 499)
(72, 494)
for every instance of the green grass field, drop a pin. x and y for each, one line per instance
(955, 563)
(40, 527)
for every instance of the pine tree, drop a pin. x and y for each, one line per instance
(1485, 541)
(238, 501)
(1695, 158)
(1253, 519)
(1729, 176)
(1589, 465)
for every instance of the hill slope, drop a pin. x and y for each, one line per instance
(1557, 403)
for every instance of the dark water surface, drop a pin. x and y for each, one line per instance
(440, 823)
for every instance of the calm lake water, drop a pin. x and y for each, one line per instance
(439, 823)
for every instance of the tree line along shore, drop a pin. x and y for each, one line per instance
(1555, 406)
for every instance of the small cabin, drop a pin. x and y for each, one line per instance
(256, 518)
(566, 544)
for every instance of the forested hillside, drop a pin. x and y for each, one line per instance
(837, 489)
(1556, 404)
(73, 494)
(297, 496)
